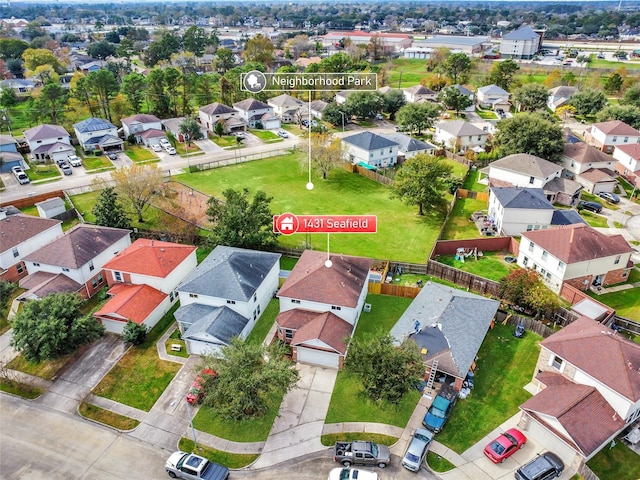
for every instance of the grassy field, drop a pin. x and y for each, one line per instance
(459, 226)
(342, 193)
(266, 136)
(406, 72)
(140, 377)
(505, 365)
(224, 141)
(46, 369)
(471, 182)
(617, 463)
(43, 172)
(486, 114)
(139, 154)
(107, 417)
(491, 265)
(100, 163)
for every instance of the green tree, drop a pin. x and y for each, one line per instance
(629, 114)
(134, 87)
(6, 291)
(326, 152)
(11, 48)
(422, 181)
(259, 49)
(418, 116)
(225, 60)
(541, 299)
(335, 114)
(248, 375)
(502, 73)
(50, 102)
(35, 57)
(387, 372)
(588, 101)
(161, 49)
(101, 50)
(109, 212)
(126, 49)
(137, 185)
(53, 326)
(631, 95)
(134, 333)
(457, 67)
(242, 222)
(364, 104)
(103, 86)
(160, 104)
(195, 40)
(191, 130)
(112, 37)
(454, 99)
(8, 97)
(531, 97)
(530, 132)
(613, 84)
(393, 101)
(515, 286)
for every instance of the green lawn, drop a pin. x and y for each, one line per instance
(628, 188)
(265, 322)
(107, 417)
(139, 154)
(20, 389)
(20, 118)
(100, 163)
(266, 136)
(471, 182)
(438, 463)
(458, 226)
(601, 63)
(625, 302)
(617, 463)
(491, 265)
(43, 172)
(140, 377)
(505, 365)
(224, 141)
(287, 263)
(486, 114)
(342, 193)
(593, 219)
(46, 369)
(406, 72)
(229, 460)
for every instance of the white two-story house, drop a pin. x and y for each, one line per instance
(494, 97)
(48, 142)
(370, 149)
(143, 127)
(628, 162)
(285, 107)
(224, 297)
(459, 135)
(608, 135)
(514, 209)
(256, 113)
(213, 113)
(576, 254)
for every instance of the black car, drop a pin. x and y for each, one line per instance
(112, 156)
(609, 197)
(591, 206)
(543, 467)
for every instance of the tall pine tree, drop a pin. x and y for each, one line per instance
(108, 210)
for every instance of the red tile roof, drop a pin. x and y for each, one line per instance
(324, 327)
(596, 350)
(131, 302)
(615, 127)
(577, 243)
(15, 229)
(341, 284)
(150, 257)
(570, 403)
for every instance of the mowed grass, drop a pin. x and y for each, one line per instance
(505, 365)
(491, 265)
(140, 377)
(107, 417)
(594, 219)
(138, 154)
(406, 72)
(264, 323)
(229, 460)
(402, 234)
(617, 463)
(459, 226)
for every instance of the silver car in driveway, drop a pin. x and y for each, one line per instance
(416, 452)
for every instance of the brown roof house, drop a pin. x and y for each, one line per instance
(628, 162)
(439, 321)
(587, 390)
(592, 168)
(73, 262)
(608, 135)
(576, 254)
(21, 235)
(320, 304)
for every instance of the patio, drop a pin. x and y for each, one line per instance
(484, 224)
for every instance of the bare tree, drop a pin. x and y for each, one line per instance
(137, 185)
(326, 152)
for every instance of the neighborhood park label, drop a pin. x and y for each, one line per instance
(288, 224)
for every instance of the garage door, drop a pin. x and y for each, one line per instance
(318, 357)
(552, 443)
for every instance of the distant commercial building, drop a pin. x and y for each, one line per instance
(523, 43)
(468, 45)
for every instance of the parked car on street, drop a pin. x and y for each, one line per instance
(192, 467)
(66, 168)
(505, 445)
(352, 474)
(22, 177)
(609, 197)
(543, 467)
(591, 206)
(282, 133)
(416, 452)
(74, 160)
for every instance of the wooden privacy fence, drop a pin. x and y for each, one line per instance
(530, 324)
(395, 290)
(467, 280)
(463, 193)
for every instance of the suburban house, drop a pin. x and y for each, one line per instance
(342, 95)
(468, 93)
(460, 135)
(317, 107)
(524, 170)
(140, 124)
(593, 168)
(608, 135)
(370, 149)
(213, 113)
(628, 162)
(494, 97)
(584, 370)
(9, 152)
(73, 262)
(51, 207)
(515, 209)
(21, 235)
(256, 113)
(438, 321)
(559, 96)
(224, 297)
(142, 280)
(576, 254)
(419, 93)
(522, 43)
(97, 134)
(320, 304)
(48, 143)
(285, 107)
(18, 85)
(408, 146)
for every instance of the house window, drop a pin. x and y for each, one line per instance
(334, 307)
(100, 278)
(614, 139)
(231, 302)
(626, 139)
(531, 246)
(171, 296)
(548, 276)
(293, 300)
(19, 267)
(288, 334)
(94, 282)
(557, 363)
(36, 264)
(525, 260)
(117, 276)
(624, 274)
(14, 251)
(560, 265)
(255, 297)
(65, 269)
(543, 271)
(531, 179)
(91, 267)
(617, 260)
(193, 295)
(258, 309)
(544, 255)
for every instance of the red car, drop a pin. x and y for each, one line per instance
(505, 445)
(195, 392)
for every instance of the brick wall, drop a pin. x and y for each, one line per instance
(579, 282)
(32, 200)
(489, 244)
(616, 276)
(12, 274)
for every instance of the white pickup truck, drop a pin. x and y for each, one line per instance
(190, 466)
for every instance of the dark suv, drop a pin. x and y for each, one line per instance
(591, 206)
(543, 467)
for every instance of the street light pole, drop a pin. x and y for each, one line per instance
(342, 115)
(193, 430)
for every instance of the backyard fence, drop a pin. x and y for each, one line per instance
(394, 290)
(627, 325)
(587, 473)
(463, 279)
(235, 159)
(464, 193)
(530, 324)
(457, 158)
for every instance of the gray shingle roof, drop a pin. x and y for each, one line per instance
(93, 125)
(250, 104)
(492, 90)
(515, 197)
(460, 128)
(216, 109)
(406, 143)
(448, 308)
(369, 141)
(44, 132)
(527, 164)
(230, 273)
(566, 217)
(211, 324)
(523, 33)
